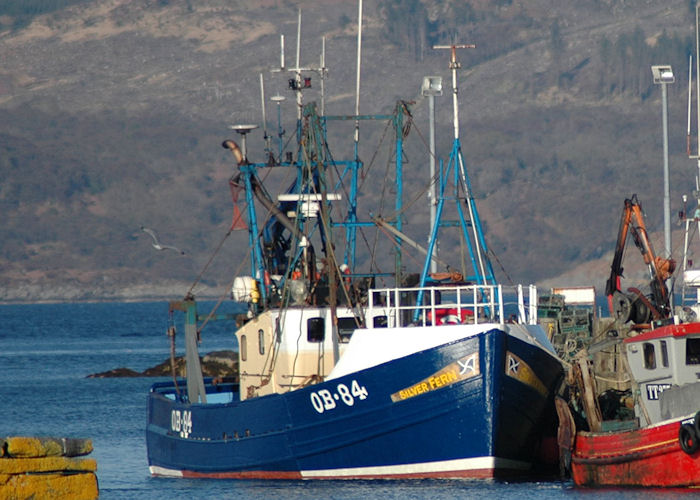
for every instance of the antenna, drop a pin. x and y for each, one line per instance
(281, 52)
(697, 73)
(479, 243)
(298, 37)
(690, 85)
(357, 79)
(264, 116)
(298, 73)
(454, 66)
(277, 99)
(323, 75)
(297, 83)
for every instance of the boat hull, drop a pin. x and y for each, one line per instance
(477, 407)
(650, 456)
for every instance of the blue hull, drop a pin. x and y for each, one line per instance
(429, 414)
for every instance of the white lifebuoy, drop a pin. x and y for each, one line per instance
(451, 319)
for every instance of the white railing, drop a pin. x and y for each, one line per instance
(466, 304)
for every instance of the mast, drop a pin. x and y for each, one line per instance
(690, 219)
(297, 77)
(697, 80)
(357, 77)
(298, 83)
(473, 215)
(278, 99)
(323, 70)
(483, 271)
(266, 137)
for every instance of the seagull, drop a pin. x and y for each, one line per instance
(156, 244)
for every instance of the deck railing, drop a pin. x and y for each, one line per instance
(463, 304)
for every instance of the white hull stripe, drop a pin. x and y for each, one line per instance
(162, 471)
(458, 466)
(462, 464)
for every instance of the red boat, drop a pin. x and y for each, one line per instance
(657, 441)
(664, 449)
(650, 456)
(645, 429)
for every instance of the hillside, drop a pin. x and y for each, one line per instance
(112, 114)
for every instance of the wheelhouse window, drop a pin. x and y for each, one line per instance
(379, 322)
(692, 352)
(649, 356)
(244, 348)
(261, 342)
(664, 354)
(345, 328)
(315, 329)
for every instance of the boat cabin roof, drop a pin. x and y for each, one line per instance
(667, 331)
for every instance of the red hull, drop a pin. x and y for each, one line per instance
(651, 456)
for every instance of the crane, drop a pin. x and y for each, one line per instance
(635, 306)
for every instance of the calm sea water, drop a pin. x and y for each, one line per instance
(46, 352)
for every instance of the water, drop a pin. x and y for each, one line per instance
(46, 352)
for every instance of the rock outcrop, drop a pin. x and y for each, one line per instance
(219, 364)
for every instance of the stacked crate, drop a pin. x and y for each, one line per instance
(38, 468)
(568, 327)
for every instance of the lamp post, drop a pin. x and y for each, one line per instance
(663, 75)
(432, 86)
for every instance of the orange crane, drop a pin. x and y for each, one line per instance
(635, 306)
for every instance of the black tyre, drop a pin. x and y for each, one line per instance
(688, 439)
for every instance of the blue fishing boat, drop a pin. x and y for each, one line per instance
(444, 374)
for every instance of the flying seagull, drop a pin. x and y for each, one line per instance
(156, 244)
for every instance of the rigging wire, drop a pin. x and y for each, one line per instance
(434, 180)
(206, 266)
(366, 172)
(419, 194)
(363, 176)
(214, 254)
(222, 296)
(498, 261)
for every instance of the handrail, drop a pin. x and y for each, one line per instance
(458, 304)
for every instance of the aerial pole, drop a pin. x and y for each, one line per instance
(697, 81)
(351, 230)
(476, 244)
(298, 83)
(266, 137)
(297, 78)
(485, 272)
(323, 70)
(357, 77)
(479, 245)
(278, 99)
(398, 127)
(690, 219)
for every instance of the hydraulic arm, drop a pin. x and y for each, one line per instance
(635, 306)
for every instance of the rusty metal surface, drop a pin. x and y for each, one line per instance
(644, 457)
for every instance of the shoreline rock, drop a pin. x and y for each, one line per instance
(220, 364)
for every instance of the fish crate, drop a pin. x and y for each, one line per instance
(577, 322)
(550, 306)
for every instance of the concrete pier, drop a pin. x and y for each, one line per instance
(47, 468)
